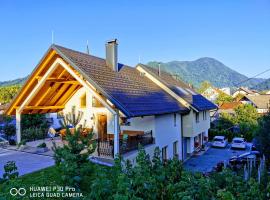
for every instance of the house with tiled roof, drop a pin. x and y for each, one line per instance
(123, 106)
(244, 91)
(260, 102)
(229, 107)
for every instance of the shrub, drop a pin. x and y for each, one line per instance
(10, 171)
(9, 130)
(34, 133)
(228, 134)
(73, 156)
(42, 145)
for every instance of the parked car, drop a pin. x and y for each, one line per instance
(220, 141)
(241, 160)
(238, 143)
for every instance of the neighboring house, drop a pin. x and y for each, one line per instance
(244, 91)
(228, 107)
(226, 90)
(260, 102)
(123, 105)
(211, 93)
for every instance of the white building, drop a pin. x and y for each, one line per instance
(122, 105)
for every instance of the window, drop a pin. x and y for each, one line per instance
(204, 115)
(96, 103)
(197, 117)
(175, 149)
(174, 120)
(83, 100)
(165, 153)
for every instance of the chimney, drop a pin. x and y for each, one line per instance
(111, 55)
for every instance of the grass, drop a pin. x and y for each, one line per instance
(45, 177)
(51, 177)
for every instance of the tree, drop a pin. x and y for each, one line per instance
(223, 98)
(7, 93)
(204, 86)
(246, 117)
(263, 137)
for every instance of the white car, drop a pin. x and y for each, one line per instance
(220, 141)
(239, 143)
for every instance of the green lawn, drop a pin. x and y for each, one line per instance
(46, 177)
(50, 176)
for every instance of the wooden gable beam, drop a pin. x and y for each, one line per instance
(39, 85)
(59, 80)
(42, 107)
(87, 86)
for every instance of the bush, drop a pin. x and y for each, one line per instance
(228, 134)
(42, 145)
(34, 121)
(9, 130)
(72, 158)
(32, 134)
(10, 171)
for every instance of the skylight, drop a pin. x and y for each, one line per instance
(192, 92)
(182, 90)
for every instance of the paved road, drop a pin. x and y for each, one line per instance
(206, 161)
(26, 162)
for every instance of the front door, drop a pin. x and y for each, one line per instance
(102, 126)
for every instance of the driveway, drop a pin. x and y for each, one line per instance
(208, 160)
(26, 162)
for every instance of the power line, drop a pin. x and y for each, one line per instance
(237, 84)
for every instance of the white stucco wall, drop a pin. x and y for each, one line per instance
(166, 133)
(90, 113)
(191, 128)
(146, 123)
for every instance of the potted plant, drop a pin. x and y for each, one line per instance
(41, 148)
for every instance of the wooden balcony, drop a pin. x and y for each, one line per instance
(127, 144)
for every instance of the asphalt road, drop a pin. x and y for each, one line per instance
(26, 162)
(208, 160)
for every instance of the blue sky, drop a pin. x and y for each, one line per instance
(235, 32)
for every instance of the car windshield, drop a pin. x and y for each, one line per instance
(238, 141)
(245, 155)
(218, 140)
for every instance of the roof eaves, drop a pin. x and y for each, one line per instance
(7, 110)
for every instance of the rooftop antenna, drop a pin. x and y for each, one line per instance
(159, 72)
(52, 36)
(87, 47)
(139, 58)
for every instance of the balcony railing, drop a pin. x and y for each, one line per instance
(106, 148)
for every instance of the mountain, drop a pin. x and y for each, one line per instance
(17, 81)
(195, 72)
(265, 85)
(210, 69)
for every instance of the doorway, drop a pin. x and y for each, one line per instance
(102, 126)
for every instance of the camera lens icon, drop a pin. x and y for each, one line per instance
(15, 191)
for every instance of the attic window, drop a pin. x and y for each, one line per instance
(83, 100)
(96, 103)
